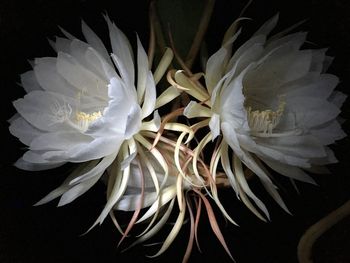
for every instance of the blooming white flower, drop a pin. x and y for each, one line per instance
(271, 100)
(82, 105)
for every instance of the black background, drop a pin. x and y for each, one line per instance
(50, 234)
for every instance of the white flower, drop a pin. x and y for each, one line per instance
(82, 105)
(271, 100)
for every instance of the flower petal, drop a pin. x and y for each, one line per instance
(46, 111)
(289, 171)
(80, 77)
(29, 81)
(95, 41)
(47, 76)
(28, 166)
(122, 49)
(96, 149)
(24, 131)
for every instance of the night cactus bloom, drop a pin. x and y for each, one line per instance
(84, 106)
(273, 104)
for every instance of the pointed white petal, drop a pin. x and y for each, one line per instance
(329, 132)
(82, 168)
(149, 102)
(311, 85)
(46, 73)
(23, 130)
(337, 98)
(79, 189)
(133, 124)
(29, 81)
(80, 77)
(122, 49)
(62, 45)
(214, 125)
(142, 71)
(46, 111)
(95, 171)
(194, 110)
(311, 111)
(318, 57)
(95, 41)
(28, 166)
(290, 171)
(59, 141)
(268, 26)
(96, 149)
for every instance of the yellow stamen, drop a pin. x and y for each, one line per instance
(265, 121)
(84, 119)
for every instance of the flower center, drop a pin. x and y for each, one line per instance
(84, 119)
(263, 122)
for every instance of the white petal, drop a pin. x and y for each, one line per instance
(330, 158)
(311, 111)
(142, 71)
(130, 202)
(295, 41)
(299, 146)
(114, 118)
(248, 57)
(329, 132)
(95, 171)
(326, 63)
(149, 102)
(59, 141)
(67, 35)
(337, 98)
(268, 26)
(98, 148)
(133, 123)
(14, 117)
(28, 166)
(281, 66)
(318, 57)
(64, 187)
(215, 69)
(194, 109)
(127, 161)
(95, 41)
(282, 157)
(23, 130)
(45, 110)
(29, 81)
(78, 50)
(311, 85)
(80, 77)
(79, 189)
(122, 49)
(62, 45)
(290, 171)
(100, 64)
(244, 50)
(49, 79)
(37, 158)
(232, 101)
(214, 125)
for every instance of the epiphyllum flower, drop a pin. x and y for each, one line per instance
(272, 102)
(82, 106)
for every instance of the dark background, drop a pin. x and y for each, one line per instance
(50, 234)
